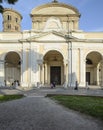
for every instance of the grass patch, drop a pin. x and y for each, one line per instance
(85, 104)
(4, 98)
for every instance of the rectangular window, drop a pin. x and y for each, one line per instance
(9, 26)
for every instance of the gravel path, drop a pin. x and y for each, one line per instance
(39, 113)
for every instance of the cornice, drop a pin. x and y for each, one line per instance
(57, 15)
(12, 10)
(55, 4)
(87, 40)
(70, 39)
(35, 37)
(9, 41)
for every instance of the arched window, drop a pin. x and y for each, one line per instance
(8, 17)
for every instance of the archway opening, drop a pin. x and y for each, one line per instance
(12, 68)
(93, 61)
(53, 67)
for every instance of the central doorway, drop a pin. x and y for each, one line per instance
(53, 69)
(55, 74)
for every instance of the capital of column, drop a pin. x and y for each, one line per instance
(101, 62)
(66, 62)
(40, 62)
(2, 61)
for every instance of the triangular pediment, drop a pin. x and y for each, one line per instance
(52, 36)
(48, 36)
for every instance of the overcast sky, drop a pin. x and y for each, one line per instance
(91, 12)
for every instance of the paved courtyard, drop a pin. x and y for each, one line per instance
(43, 91)
(35, 112)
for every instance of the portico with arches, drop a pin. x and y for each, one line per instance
(54, 50)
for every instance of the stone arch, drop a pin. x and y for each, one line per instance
(12, 68)
(4, 55)
(54, 54)
(92, 62)
(85, 55)
(53, 62)
(54, 50)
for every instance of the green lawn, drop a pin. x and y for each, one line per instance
(85, 104)
(4, 98)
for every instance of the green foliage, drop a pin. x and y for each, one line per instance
(85, 104)
(11, 1)
(4, 98)
(8, 1)
(1, 9)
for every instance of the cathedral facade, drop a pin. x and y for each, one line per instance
(54, 50)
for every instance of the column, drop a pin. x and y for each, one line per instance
(24, 69)
(29, 67)
(82, 70)
(95, 76)
(70, 64)
(44, 73)
(70, 25)
(66, 70)
(65, 74)
(101, 84)
(98, 74)
(40, 73)
(2, 73)
(34, 66)
(40, 69)
(76, 25)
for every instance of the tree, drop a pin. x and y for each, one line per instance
(8, 1)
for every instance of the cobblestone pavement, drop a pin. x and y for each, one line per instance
(35, 112)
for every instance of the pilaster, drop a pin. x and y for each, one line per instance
(66, 72)
(82, 69)
(101, 84)
(70, 64)
(24, 66)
